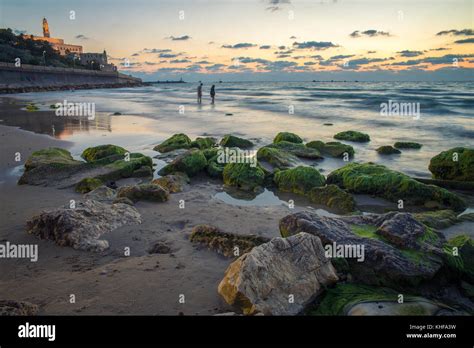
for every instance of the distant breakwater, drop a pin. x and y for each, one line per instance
(31, 78)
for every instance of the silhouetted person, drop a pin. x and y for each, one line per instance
(199, 90)
(213, 93)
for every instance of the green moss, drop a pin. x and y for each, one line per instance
(101, 152)
(332, 148)
(298, 150)
(439, 219)
(210, 153)
(387, 150)
(333, 197)
(429, 237)
(446, 166)
(54, 106)
(173, 182)
(407, 145)
(366, 231)
(353, 136)
(144, 192)
(32, 107)
(204, 143)
(287, 136)
(192, 162)
(380, 181)
(52, 156)
(233, 141)
(214, 168)
(416, 256)
(243, 176)
(177, 141)
(459, 256)
(125, 169)
(87, 185)
(278, 158)
(298, 180)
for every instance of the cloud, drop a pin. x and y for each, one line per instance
(315, 45)
(283, 56)
(292, 37)
(309, 63)
(369, 33)
(81, 37)
(281, 47)
(169, 55)
(203, 62)
(464, 32)
(371, 52)
(156, 50)
(19, 32)
(464, 41)
(151, 63)
(215, 67)
(440, 49)
(446, 59)
(179, 38)
(265, 47)
(342, 56)
(317, 57)
(356, 63)
(408, 53)
(239, 45)
(275, 5)
(177, 61)
(246, 60)
(135, 54)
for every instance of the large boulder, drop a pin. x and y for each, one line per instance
(277, 158)
(144, 192)
(298, 180)
(280, 277)
(380, 181)
(387, 150)
(243, 176)
(203, 143)
(191, 163)
(454, 164)
(287, 136)
(227, 244)
(177, 141)
(233, 141)
(93, 154)
(82, 226)
(172, 182)
(353, 136)
(333, 197)
(407, 145)
(332, 148)
(374, 246)
(87, 185)
(296, 149)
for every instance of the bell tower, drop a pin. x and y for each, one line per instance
(45, 28)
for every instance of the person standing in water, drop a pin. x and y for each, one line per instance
(213, 93)
(199, 91)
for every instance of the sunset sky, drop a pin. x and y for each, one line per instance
(250, 38)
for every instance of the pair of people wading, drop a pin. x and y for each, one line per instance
(199, 93)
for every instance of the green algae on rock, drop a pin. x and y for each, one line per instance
(407, 145)
(191, 162)
(298, 180)
(204, 143)
(233, 141)
(387, 150)
(243, 176)
(298, 150)
(287, 136)
(380, 181)
(172, 182)
(53, 157)
(93, 154)
(177, 141)
(454, 164)
(332, 148)
(333, 197)
(144, 192)
(278, 158)
(87, 185)
(459, 252)
(353, 136)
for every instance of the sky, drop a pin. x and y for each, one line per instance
(259, 40)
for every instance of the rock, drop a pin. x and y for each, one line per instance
(298, 150)
(383, 263)
(459, 252)
(144, 192)
(81, 227)
(17, 308)
(454, 164)
(439, 219)
(159, 248)
(102, 194)
(116, 113)
(403, 231)
(31, 107)
(56, 167)
(277, 158)
(298, 180)
(123, 200)
(263, 279)
(225, 243)
(172, 182)
(177, 141)
(210, 153)
(387, 150)
(243, 176)
(407, 145)
(382, 182)
(214, 168)
(333, 197)
(353, 136)
(233, 141)
(143, 172)
(93, 154)
(204, 143)
(449, 184)
(87, 185)
(287, 136)
(332, 148)
(190, 163)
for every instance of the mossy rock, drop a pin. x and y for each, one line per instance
(243, 176)
(333, 197)
(96, 153)
(214, 168)
(191, 162)
(439, 219)
(144, 192)
(177, 141)
(233, 141)
(298, 150)
(32, 107)
(407, 145)
(454, 164)
(353, 136)
(143, 172)
(380, 181)
(459, 254)
(126, 168)
(298, 180)
(388, 150)
(332, 148)
(278, 158)
(54, 106)
(53, 156)
(225, 243)
(210, 153)
(173, 182)
(87, 185)
(204, 143)
(287, 136)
